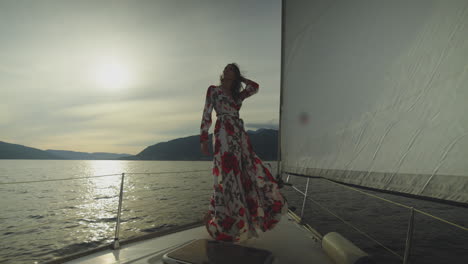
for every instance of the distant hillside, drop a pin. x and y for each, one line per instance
(14, 151)
(264, 142)
(73, 155)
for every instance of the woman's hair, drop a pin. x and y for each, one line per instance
(237, 83)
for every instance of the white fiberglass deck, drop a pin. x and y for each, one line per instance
(289, 242)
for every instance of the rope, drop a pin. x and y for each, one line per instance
(357, 229)
(369, 194)
(402, 205)
(388, 201)
(301, 192)
(63, 179)
(441, 219)
(165, 172)
(380, 198)
(99, 176)
(306, 226)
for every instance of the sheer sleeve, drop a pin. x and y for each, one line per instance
(251, 88)
(206, 117)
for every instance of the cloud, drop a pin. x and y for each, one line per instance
(48, 99)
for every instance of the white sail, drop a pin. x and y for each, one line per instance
(375, 93)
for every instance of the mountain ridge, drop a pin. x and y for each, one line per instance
(16, 151)
(264, 142)
(76, 155)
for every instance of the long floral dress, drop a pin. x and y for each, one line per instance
(246, 196)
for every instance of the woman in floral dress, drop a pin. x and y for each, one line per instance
(246, 196)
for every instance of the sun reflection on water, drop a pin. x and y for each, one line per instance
(98, 211)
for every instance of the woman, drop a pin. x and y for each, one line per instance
(246, 195)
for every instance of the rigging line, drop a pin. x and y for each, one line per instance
(63, 179)
(349, 224)
(298, 190)
(163, 172)
(98, 176)
(313, 231)
(369, 194)
(441, 219)
(357, 229)
(296, 218)
(140, 206)
(21, 228)
(399, 204)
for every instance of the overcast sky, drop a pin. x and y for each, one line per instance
(117, 76)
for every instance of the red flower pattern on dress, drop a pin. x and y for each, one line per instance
(217, 146)
(268, 174)
(240, 224)
(247, 183)
(249, 145)
(234, 157)
(235, 106)
(204, 136)
(253, 206)
(228, 222)
(277, 205)
(224, 237)
(242, 211)
(210, 90)
(229, 162)
(216, 171)
(217, 126)
(268, 224)
(229, 127)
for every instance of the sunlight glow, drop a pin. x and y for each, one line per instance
(112, 75)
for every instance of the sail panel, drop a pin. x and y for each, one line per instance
(375, 93)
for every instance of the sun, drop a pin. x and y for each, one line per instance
(112, 75)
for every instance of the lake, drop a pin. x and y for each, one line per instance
(54, 208)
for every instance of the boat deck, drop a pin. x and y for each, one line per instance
(289, 242)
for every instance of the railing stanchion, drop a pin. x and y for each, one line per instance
(409, 237)
(117, 226)
(304, 202)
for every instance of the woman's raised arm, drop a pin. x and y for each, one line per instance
(251, 88)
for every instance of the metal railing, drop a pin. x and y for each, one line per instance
(116, 242)
(410, 229)
(118, 217)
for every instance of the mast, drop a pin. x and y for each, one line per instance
(279, 166)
